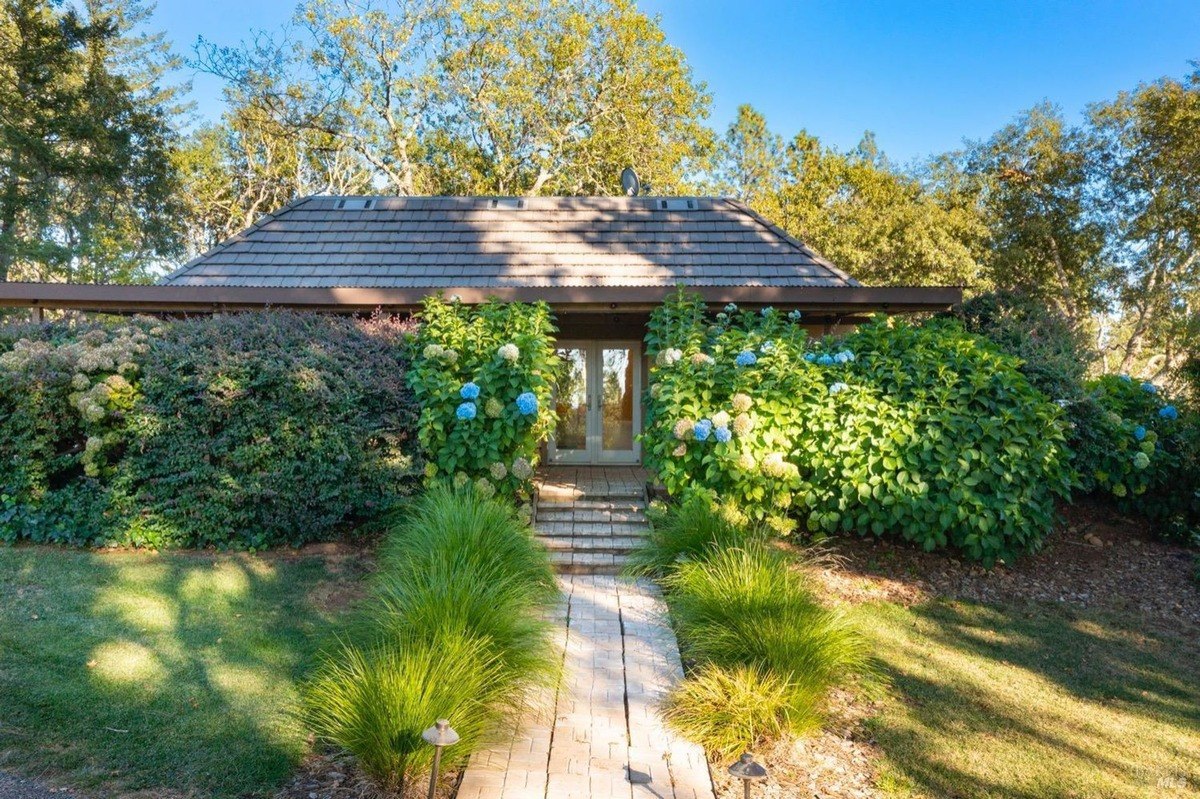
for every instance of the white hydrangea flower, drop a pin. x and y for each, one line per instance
(509, 352)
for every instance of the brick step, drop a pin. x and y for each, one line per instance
(564, 514)
(587, 563)
(588, 528)
(567, 497)
(611, 544)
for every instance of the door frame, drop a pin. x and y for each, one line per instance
(594, 453)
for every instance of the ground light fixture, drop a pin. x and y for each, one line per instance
(439, 735)
(746, 770)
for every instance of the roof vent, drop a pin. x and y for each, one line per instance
(677, 205)
(512, 203)
(355, 204)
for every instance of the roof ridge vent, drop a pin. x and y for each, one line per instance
(676, 204)
(355, 204)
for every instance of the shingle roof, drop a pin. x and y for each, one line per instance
(449, 242)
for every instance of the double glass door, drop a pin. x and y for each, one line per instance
(598, 402)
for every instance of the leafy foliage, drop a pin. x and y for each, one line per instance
(1150, 457)
(244, 430)
(483, 377)
(692, 529)
(86, 189)
(452, 629)
(523, 97)
(920, 431)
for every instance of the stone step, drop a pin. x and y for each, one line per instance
(588, 562)
(589, 528)
(624, 497)
(565, 514)
(610, 543)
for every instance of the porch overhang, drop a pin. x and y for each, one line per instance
(832, 301)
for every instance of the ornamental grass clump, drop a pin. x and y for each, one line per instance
(695, 528)
(750, 622)
(453, 628)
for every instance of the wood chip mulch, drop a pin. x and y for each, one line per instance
(1096, 560)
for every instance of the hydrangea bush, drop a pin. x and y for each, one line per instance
(1151, 462)
(244, 430)
(483, 377)
(922, 432)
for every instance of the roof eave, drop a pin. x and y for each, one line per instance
(206, 299)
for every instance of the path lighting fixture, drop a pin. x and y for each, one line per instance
(747, 771)
(439, 735)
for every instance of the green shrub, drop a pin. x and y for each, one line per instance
(694, 528)
(65, 398)
(258, 429)
(1055, 353)
(925, 432)
(452, 628)
(242, 430)
(1149, 456)
(483, 377)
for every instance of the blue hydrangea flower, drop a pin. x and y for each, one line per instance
(746, 358)
(527, 403)
(466, 411)
(1168, 412)
(1126, 378)
(810, 356)
(838, 388)
(469, 391)
(795, 316)
(722, 434)
(1149, 388)
(731, 308)
(767, 311)
(702, 429)
(1139, 433)
(825, 359)
(842, 357)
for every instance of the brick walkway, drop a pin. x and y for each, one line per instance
(605, 738)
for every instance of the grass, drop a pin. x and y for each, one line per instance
(751, 621)
(125, 672)
(453, 628)
(764, 652)
(1016, 702)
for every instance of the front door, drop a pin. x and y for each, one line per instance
(598, 402)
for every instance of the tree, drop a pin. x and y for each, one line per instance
(1043, 240)
(472, 96)
(880, 224)
(1144, 154)
(750, 162)
(86, 189)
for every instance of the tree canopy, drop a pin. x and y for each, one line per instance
(106, 176)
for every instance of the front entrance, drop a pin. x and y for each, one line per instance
(598, 402)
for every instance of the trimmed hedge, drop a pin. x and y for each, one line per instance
(243, 430)
(922, 432)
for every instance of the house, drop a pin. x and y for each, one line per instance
(603, 263)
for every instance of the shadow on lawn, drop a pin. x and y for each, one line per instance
(169, 673)
(1029, 701)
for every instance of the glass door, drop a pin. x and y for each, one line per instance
(569, 443)
(597, 402)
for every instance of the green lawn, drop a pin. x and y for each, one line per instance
(151, 672)
(1026, 701)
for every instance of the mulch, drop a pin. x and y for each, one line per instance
(1096, 561)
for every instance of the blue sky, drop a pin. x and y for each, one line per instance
(922, 75)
